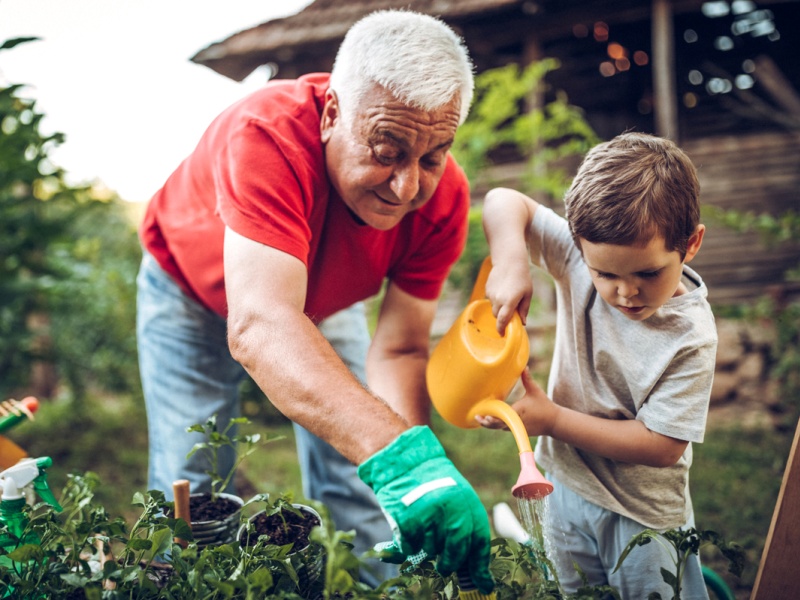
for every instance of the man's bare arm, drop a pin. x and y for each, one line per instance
(288, 357)
(398, 355)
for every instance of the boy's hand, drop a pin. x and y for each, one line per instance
(537, 411)
(490, 422)
(509, 288)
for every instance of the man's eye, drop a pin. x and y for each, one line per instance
(384, 159)
(433, 161)
(385, 155)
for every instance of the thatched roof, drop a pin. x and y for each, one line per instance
(318, 29)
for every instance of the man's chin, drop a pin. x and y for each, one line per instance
(380, 221)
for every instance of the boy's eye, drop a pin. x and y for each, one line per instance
(649, 274)
(601, 275)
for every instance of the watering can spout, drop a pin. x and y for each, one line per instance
(531, 484)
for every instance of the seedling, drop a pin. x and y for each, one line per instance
(243, 446)
(681, 544)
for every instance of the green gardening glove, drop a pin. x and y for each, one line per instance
(429, 504)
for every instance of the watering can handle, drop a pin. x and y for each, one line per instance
(479, 289)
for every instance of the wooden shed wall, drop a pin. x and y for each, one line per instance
(758, 172)
(754, 172)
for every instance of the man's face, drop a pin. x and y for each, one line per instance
(637, 280)
(385, 159)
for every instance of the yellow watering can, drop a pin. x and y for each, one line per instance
(473, 369)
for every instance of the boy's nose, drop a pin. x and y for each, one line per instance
(626, 290)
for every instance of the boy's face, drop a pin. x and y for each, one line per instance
(637, 280)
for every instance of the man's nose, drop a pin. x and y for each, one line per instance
(405, 182)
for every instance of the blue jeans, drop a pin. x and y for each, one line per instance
(594, 538)
(188, 375)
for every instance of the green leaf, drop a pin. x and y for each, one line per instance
(8, 44)
(183, 530)
(26, 553)
(645, 537)
(669, 578)
(139, 544)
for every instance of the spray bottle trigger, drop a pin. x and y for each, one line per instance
(41, 486)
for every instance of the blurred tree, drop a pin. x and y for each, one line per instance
(68, 256)
(515, 118)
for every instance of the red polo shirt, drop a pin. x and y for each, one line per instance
(259, 169)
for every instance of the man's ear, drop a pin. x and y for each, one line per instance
(330, 115)
(695, 241)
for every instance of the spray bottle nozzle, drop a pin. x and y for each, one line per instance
(26, 472)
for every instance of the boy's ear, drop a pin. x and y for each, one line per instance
(695, 241)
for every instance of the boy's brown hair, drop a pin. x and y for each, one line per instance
(632, 188)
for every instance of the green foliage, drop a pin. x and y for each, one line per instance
(27, 224)
(784, 317)
(549, 139)
(85, 553)
(773, 229)
(735, 480)
(93, 306)
(465, 271)
(544, 136)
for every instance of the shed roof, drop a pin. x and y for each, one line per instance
(310, 38)
(322, 22)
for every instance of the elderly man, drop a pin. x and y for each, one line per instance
(300, 201)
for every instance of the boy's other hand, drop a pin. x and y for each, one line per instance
(537, 411)
(490, 422)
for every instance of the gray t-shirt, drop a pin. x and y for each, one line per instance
(658, 371)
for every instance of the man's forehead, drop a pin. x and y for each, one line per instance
(405, 125)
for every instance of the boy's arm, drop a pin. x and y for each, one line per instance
(507, 217)
(625, 440)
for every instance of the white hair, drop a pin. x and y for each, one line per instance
(416, 57)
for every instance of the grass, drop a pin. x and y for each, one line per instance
(735, 478)
(735, 481)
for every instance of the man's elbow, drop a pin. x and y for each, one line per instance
(237, 340)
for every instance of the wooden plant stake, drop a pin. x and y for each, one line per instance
(180, 490)
(778, 575)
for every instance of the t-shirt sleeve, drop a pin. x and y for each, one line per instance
(260, 191)
(678, 404)
(551, 244)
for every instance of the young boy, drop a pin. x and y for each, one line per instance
(633, 360)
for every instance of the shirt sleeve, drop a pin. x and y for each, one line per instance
(260, 192)
(552, 247)
(678, 404)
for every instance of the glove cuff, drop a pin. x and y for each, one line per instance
(408, 450)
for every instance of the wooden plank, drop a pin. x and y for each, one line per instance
(778, 575)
